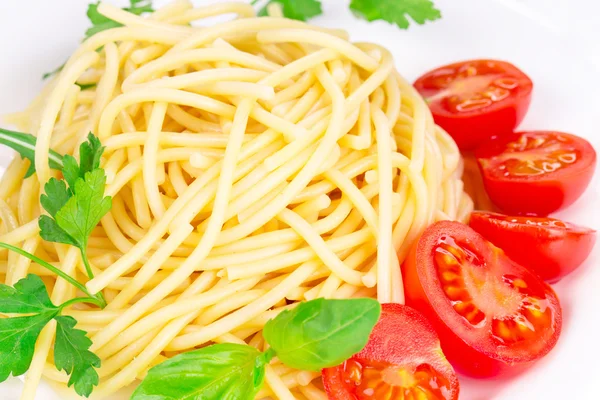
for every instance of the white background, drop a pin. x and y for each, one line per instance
(557, 42)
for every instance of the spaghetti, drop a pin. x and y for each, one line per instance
(253, 164)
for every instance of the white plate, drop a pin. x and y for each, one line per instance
(38, 35)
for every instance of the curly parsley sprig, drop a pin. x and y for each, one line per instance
(75, 206)
(101, 23)
(393, 11)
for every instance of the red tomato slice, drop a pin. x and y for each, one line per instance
(477, 99)
(402, 360)
(491, 313)
(536, 172)
(549, 247)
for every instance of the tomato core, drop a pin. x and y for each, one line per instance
(385, 381)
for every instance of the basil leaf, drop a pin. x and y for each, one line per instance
(322, 333)
(218, 372)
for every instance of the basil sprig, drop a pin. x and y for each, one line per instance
(315, 335)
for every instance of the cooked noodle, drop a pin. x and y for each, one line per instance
(254, 163)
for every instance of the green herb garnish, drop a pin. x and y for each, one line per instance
(101, 23)
(222, 371)
(396, 11)
(86, 86)
(71, 354)
(307, 345)
(18, 335)
(52, 73)
(393, 11)
(24, 144)
(75, 206)
(75, 211)
(301, 10)
(314, 335)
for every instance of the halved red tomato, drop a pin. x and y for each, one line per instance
(536, 172)
(477, 99)
(402, 360)
(491, 313)
(549, 247)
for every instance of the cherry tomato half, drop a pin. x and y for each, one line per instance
(491, 313)
(477, 99)
(402, 360)
(549, 247)
(536, 172)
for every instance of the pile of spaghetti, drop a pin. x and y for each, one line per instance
(254, 163)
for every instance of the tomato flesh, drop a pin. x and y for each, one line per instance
(532, 155)
(477, 99)
(385, 381)
(547, 246)
(490, 312)
(402, 360)
(536, 172)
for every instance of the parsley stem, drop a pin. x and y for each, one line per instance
(90, 273)
(50, 267)
(86, 263)
(76, 300)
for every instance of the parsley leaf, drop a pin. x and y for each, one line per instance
(52, 73)
(75, 211)
(17, 342)
(51, 232)
(56, 196)
(101, 23)
(71, 354)
(301, 10)
(86, 86)
(28, 296)
(90, 153)
(83, 211)
(83, 86)
(396, 11)
(75, 206)
(74, 220)
(18, 335)
(24, 144)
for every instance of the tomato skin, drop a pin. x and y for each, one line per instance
(402, 337)
(467, 353)
(470, 128)
(535, 194)
(552, 250)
